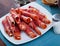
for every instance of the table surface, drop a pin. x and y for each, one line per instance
(48, 39)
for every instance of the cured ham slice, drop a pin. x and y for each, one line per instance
(16, 32)
(7, 28)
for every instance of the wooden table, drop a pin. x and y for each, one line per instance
(2, 43)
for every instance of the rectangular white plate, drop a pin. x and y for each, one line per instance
(25, 38)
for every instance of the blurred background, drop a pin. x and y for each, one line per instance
(5, 5)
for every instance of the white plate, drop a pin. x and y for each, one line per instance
(25, 38)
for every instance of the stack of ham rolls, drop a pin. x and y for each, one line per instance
(25, 20)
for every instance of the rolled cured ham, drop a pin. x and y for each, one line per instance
(28, 31)
(33, 16)
(26, 19)
(40, 24)
(7, 28)
(30, 22)
(16, 32)
(42, 17)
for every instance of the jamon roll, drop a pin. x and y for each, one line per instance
(35, 11)
(40, 24)
(26, 19)
(30, 22)
(34, 27)
(7, 28)
(16, 32)
(42, 17)
(33, 16)
(28, 30)
(15, 16)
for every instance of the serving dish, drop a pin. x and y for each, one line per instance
(25, 38)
